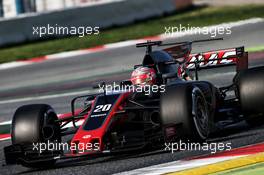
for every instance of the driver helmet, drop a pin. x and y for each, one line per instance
(143, 76)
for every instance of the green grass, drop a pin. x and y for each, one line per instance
(196, 17)
(255, 169)
(256, 49)
(5, 129)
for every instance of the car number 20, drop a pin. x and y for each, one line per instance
(102, 108)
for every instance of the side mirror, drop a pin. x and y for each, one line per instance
(78, 102)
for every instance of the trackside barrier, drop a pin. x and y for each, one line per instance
(20, 29)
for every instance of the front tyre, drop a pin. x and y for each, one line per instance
(35, 124)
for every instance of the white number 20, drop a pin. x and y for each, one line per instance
(102, 108)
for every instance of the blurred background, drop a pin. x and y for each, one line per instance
(12, 8)
(54, 69)
(118, 21)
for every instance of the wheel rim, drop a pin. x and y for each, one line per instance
(200, 113)
(49, 128)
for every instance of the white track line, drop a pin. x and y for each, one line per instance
(69, 125)
(7, 138)
(177, 166)
(6, 123)
(13, 64)
(78, 123)
(46, 97)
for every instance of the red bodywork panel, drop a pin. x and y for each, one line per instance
(95, 136)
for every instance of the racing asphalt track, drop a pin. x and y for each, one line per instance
(76, 74)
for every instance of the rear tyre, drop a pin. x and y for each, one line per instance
(35, 124)
(250, 91)
(184, 108)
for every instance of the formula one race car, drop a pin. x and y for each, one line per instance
(125, 120)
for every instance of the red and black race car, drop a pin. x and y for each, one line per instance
(125, 120)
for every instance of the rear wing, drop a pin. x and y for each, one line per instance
(225, 57)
